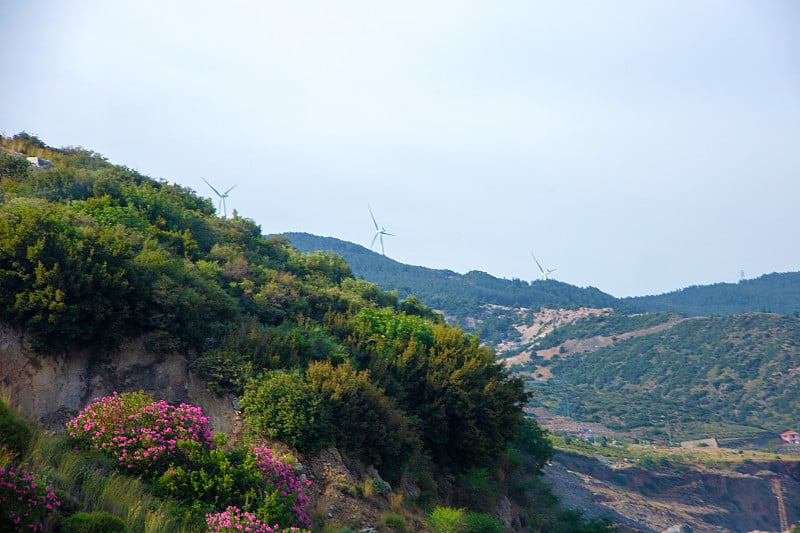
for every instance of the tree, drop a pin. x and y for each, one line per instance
(368, 425)
(282, 405)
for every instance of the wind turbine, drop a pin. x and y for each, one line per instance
(222, 197)
(545, 273)
(379, 232)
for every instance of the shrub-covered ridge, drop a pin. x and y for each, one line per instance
(93, 254)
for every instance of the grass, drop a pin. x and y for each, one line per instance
(91, 480)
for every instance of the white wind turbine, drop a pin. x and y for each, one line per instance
(379, 232)
(222, 197)
(545, 273)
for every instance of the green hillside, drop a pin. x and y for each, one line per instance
(461, 297)
(721, 376)
(93, 254)
(774, 293)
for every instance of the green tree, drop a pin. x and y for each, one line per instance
(368, 426)
(282, 405)
(467, 405)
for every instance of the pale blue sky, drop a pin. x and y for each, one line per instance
(635, 146)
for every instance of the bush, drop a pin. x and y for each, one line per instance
(282, 405)
(24, 504)
(395, 521)
(446, 520)
(99, 522)
(234, 520)
(482, 523)
(536, 448)
(142, 434)
(15, 434)
(367, 424)
(172, 449)
(481, 481)
(449, 520)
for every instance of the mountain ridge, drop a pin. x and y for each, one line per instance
(777, 292)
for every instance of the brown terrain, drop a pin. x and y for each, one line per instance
(706, 499)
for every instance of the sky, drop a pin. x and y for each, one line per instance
(635, 146)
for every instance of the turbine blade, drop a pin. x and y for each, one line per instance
(373, 241)
(212, 187)
(229, 190)
(537, 263)
(373, 217)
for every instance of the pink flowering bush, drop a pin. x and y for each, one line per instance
(24, 504)
(287, 493)
(172, 447)
(234, 520)
(142, 434)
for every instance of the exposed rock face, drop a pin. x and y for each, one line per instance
(54, 388)
(708, 500)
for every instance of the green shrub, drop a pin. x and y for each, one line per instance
(99, 522)
(171, 448)
(282, 405)
(15, 433)
(446, 520)
(482, 523)
(367, 424)
(395, 521)
(480, 480)
(449, 520)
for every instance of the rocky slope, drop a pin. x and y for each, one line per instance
(54, 388)
(710, 500)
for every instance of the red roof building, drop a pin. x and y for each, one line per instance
(791, 437)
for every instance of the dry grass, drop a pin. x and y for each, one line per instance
(99, 488)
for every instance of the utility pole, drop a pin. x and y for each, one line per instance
(776, 486)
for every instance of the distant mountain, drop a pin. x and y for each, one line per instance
(775, 293)
(463, 298)
(451, 292)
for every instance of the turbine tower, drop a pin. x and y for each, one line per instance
(379, 232)
(222, 197)
(545, 273)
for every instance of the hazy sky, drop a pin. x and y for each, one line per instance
(636, 146)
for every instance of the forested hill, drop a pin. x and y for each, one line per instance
(775, 293)
(452, 292)
(457, 295)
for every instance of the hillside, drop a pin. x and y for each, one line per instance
(466, 299)
(773, 293)
(113, 281)
(663, 375)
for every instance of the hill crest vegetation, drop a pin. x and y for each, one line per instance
(92, 254)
